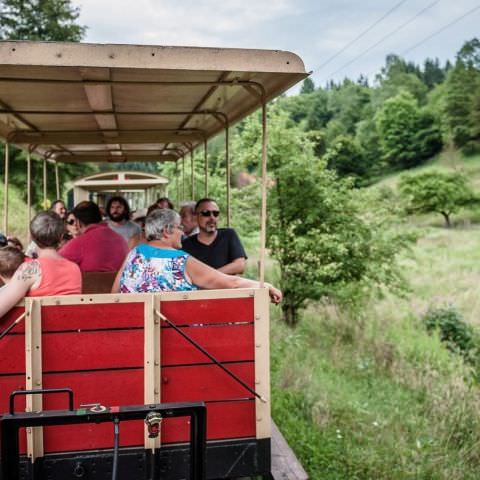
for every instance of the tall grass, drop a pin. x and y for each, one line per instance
(374, 396)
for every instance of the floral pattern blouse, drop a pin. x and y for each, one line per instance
(150, 269)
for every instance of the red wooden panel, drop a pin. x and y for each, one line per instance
(92, 350)
(205, 382)
(67, 438)
(12, 354)
(110, 388)
(224, 420)
(220, 310)
(92, 316)
(226, 343)
(10, 317)
(7, 385)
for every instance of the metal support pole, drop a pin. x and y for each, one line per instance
(177, 178)
(183, 178)
(263, 230)
(227, 172)
(57, 180)
(44, 183)
(192, 188)
(29, 191)
(5, 190)
(205, 152)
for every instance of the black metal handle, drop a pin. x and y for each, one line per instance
(36, 392)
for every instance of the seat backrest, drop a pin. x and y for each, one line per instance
(97, 282)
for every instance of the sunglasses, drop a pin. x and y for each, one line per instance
(207, 213)
(71, 222)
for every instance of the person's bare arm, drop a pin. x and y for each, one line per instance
(234, 268)
(116, 282)
(16, 289)
(206, 277)
(134, 240)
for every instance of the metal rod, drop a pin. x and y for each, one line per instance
(5, 191)
(12, 111)
(116, 443)
(183, 178)
(12, 325)
(210, 356)
(57, 181)
(263, 228)
(177, 178)
(29, 191)
(45, 184)
(192, 188)
(227, 172)
(205, 151)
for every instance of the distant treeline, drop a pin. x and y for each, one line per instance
(408, 115)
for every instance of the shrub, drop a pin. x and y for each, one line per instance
(458, 336)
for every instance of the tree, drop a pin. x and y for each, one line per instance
(316, 230)
(408, 136)
(50, 20)
(436, 192)
(345, 157)
(307, 86)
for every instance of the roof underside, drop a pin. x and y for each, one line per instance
(117, 103)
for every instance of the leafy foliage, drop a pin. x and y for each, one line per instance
(51, 20)
(436, 192)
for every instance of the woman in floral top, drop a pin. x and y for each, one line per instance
(161, 265)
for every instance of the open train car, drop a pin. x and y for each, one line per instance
(113, 103)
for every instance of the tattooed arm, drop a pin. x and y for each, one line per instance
(27, 275)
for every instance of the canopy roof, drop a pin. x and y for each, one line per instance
(115, 103)
(120, 180)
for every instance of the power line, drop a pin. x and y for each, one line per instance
(388, 35)
(441, 30)
(360, 35)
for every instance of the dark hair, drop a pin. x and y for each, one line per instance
(203, 200)
(3, 240)
(165, 199)
(55, 202)
(126, 206)
(47, 229)
(87, 213)
(10, 259)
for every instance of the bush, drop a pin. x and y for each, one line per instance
(458, 336)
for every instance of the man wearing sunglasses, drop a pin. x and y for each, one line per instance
(219, 248)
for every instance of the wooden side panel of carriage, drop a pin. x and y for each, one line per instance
(113, 350)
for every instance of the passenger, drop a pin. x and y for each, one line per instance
(118, 212)
(159, 265)
(3, 240)
(189, 219)
(71, 226)
(98, 248)
(49, 274)
(219, 248)
(58, 206)
(15, 242)
(164, 202)
(10, 259)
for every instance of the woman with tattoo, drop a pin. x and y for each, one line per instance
(49, 274)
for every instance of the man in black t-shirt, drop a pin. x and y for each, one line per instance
(218, 247)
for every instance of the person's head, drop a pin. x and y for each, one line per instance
(189, 219)
(87, 213)
(164, 202)
(10, 259)
(207, 213)
(15, 242)
(164, 224)
(3, 240)
(71, 225)
(58, 206)
(118, 209)
(47, 229)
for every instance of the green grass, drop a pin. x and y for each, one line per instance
(374, 396)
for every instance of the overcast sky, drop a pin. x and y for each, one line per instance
(315, 30)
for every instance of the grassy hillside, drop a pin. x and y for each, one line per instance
(373, 395)
(17, 213)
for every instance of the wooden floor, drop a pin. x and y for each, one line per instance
(285, 465)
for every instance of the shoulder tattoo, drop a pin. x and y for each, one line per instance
(28, 271)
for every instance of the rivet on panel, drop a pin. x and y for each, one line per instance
(57, 302)
(157, 363)
(156, 391)
(116, 300)
(185, 297)
(258, 345)
(257, 317)
(259, 419)
(38, 383)
(257, 382)
(251, 294)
